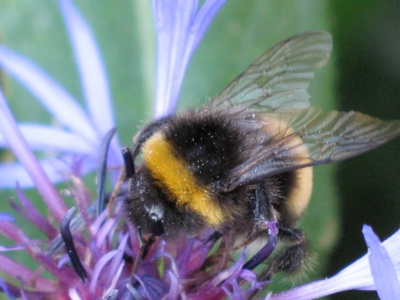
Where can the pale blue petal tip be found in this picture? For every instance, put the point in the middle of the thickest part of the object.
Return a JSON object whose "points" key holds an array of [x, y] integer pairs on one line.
{"points": [[180, 28], [91, 68], [382, 268]]}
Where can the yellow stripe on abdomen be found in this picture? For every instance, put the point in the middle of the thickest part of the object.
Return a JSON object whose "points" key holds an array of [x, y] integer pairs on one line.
{"points": [[181, 185]]}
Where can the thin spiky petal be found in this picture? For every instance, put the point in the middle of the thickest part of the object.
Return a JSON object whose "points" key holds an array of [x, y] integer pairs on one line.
{"points": [[10, 130]]}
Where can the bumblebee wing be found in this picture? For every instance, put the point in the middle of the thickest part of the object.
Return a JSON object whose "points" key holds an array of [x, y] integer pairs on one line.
{"points": [[278, 79], [306, 137]]}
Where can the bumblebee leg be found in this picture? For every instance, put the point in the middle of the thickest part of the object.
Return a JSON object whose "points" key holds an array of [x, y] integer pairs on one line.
{"points": [[145, 244], [262, 223], [265, 218], [292, 258]]}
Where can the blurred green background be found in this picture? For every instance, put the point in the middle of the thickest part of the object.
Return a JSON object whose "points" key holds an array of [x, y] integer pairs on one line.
{"points": [[363, 75]]}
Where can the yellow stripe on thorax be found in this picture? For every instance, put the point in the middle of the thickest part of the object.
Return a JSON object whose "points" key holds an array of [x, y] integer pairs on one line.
{"points": [[180, 183]]}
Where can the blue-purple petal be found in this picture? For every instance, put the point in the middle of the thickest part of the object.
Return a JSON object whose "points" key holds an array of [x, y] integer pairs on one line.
{"points": [[232, 272], [46, 138], [91, 68], [4, 288], [27, 210], [174, 286], [14, 138], [179, 31], [355, 276], [237, 293], [149, 288], [51, 95], [203, 20], [164, 15], [56, 170], [6, 217], [117, 259], [99, 267], [382, 269]]}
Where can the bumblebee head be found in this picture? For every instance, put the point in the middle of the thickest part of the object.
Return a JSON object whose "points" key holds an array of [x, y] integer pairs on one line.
{"points": [[145, 206]]}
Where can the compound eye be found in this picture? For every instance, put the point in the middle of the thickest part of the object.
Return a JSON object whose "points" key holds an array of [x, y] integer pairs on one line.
{"points": [[156, 226]]}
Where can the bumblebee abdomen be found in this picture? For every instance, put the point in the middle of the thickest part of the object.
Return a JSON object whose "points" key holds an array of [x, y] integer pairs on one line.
{"points": [[296, 185]]}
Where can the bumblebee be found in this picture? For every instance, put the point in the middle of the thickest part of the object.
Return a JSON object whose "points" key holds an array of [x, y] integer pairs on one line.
{"points": [[242, 164]]}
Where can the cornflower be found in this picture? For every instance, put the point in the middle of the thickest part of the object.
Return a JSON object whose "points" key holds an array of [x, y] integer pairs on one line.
{"points": [[101, 248]]}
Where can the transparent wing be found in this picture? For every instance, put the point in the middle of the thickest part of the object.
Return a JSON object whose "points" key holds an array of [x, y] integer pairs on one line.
{"points": [[278, 79], [307, 137]]}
